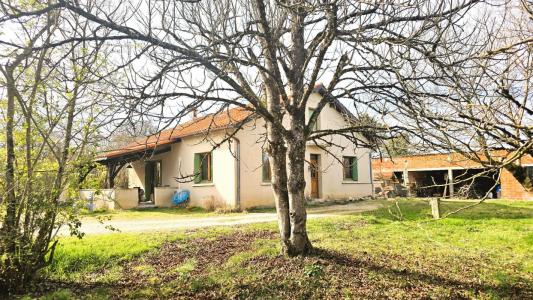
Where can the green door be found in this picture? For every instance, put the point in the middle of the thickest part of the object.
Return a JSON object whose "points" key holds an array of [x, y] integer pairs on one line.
{"points": [[148, 180]]}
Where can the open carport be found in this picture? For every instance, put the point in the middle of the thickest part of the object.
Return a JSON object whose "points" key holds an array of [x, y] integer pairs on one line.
{"points": [[464, 183], [449, 175]]}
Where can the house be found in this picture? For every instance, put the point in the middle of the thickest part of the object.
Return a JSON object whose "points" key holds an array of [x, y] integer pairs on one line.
{"points": [[450, 175], [236, 173]]}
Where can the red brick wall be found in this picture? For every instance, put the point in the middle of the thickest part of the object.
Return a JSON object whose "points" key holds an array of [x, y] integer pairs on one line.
{"points": [[512, 188]]}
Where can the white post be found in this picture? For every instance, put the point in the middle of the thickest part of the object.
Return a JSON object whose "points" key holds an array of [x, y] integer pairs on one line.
{"points": [[435, 208], [371, 174], [406, 182], [450, 182], [405, 174]]}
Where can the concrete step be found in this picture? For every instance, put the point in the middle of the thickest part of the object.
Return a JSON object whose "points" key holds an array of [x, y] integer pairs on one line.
{"points": [[146, 205]]}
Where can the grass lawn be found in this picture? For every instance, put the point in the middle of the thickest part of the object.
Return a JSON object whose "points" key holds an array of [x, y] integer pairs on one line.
{"points": [[485, 252]]}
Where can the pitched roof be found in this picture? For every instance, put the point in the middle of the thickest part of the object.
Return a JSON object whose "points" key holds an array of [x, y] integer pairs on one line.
{"points": [[221, 120]]}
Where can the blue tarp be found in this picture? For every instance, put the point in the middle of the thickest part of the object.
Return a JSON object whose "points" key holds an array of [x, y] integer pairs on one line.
{"points": [[180, 196]]}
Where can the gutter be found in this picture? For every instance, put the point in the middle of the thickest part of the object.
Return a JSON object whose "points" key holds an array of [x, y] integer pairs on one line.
{"points": [[237, 173], [371, 173]]}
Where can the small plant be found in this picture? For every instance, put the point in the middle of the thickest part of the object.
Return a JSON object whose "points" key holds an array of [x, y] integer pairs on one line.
{"points": [[62, 294], [472, 229], [144, 269], [214, 204], [313, 270], [183, 271]]}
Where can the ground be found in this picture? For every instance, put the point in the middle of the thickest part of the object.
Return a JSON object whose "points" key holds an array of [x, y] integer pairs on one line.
{"points": [[181, 218], [396, 251]]}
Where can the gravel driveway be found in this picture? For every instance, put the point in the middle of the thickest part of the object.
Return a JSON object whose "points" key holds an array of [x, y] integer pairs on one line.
{"points": [[92, 226]]}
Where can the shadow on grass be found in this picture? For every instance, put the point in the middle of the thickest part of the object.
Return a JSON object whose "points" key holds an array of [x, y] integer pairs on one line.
{"points": [[420, 209], [433, 281]]}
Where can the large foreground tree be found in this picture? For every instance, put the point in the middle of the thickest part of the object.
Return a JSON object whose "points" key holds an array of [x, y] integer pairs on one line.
{"points": [[51, 123], [268, 57]]}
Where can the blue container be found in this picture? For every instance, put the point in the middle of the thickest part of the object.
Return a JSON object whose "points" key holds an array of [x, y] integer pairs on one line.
{"points": [[180, 196]]}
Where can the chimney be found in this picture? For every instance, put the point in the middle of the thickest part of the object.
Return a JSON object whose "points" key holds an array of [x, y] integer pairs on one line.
{"points": [[194, 113]]}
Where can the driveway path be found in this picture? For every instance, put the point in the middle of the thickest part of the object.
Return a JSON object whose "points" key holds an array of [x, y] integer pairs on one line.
{"points": [[92, 226]]}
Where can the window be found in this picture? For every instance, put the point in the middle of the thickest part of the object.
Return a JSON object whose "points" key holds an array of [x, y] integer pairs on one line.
{"points": [[529, 172], [310, 112], [350, 168], [203, 167], [267, 176]]}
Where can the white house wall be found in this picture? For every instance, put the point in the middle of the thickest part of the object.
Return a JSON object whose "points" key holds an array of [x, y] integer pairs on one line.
{"points": [[254, 192], [331, 183], [179, 162]]}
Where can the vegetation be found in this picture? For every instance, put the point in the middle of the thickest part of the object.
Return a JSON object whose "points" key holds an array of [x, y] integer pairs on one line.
{"points": [[49, 128], [454, 75], [397, 252], [393, 59]]}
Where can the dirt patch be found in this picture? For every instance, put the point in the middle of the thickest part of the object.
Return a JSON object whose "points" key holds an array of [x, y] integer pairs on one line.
{"points": [[158, 267]]}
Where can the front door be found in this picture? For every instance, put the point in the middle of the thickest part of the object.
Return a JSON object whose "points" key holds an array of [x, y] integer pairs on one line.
{"points": [[152, 178], [314, 167]]}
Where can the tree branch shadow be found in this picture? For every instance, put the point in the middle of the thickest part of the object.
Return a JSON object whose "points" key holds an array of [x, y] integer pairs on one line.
{"points": [[508, 290]]}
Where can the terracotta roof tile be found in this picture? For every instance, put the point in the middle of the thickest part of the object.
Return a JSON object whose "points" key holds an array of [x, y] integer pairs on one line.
{"points": [[221, 120]]}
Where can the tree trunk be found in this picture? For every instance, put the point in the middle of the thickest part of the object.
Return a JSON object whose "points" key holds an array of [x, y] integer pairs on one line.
{"points": [[278, 166], [288, 184], [47, 228], [10, 221], [299, 241], [277, 152]]}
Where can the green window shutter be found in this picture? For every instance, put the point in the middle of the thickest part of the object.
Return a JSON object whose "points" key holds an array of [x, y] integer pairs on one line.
{"points": [[310, 112], [197, 171], [355, 173]]}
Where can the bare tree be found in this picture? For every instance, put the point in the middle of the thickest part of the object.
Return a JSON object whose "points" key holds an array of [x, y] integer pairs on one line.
{"points": [[269, 56], [51, 122], [483, 108]]}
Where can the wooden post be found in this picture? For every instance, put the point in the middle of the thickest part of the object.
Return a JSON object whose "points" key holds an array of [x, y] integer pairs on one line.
{"points": [[435, 208], [110, 179]]}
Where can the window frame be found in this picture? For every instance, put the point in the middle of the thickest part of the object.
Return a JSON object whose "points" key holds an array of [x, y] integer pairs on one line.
{"points": [[529, 172], [199, 167], [354, 168], [265, 169]]}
